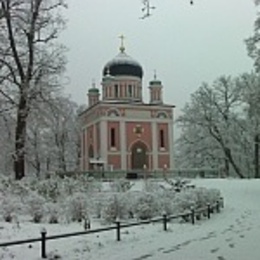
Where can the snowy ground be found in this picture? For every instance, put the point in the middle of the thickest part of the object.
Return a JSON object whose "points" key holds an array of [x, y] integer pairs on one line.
{"points": [[234, 234]]}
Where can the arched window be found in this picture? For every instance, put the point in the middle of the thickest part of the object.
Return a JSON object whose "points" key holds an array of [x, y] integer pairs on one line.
{"points": [[161, 115], [116, 91], [113, 137], [161, 138], [130, 90], [113, 112]]}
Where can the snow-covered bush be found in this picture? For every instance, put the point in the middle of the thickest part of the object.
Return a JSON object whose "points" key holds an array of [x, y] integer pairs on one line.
{"points": [[166, 205], [88, 184], [115, 207], [121, 185], [11, 206], [146, 206], [213, 195], [151, 186], [53, 212], [184, 201], [36, 207], [49, 188], [76, 207]]}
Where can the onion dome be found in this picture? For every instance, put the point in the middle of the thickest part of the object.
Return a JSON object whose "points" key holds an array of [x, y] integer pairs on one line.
{"points": [[155, 81], [123, 65], [93, 90]]}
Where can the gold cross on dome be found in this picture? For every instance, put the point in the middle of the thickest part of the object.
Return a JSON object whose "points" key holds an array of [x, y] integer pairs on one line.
{"points": [[122, 47]]}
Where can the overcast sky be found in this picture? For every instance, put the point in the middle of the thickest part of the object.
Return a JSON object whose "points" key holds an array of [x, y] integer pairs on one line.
{"points": [[186, 44]]}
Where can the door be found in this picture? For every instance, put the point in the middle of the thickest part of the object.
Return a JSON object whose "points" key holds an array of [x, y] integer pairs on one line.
{"points": [[139, 156]]}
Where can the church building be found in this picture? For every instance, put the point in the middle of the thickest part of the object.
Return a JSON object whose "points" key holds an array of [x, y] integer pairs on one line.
{"points": [[120, 131]]}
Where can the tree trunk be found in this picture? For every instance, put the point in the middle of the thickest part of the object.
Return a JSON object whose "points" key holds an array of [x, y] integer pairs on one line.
{"points": [[256, 155], [226, 165], [20, 135], [231, 160]]}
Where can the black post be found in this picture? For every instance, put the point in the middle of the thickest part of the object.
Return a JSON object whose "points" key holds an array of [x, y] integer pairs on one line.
{"points": [[118, 238], [43, 233], [209, 210], [192, 216], [217, 206], [164, 222]]}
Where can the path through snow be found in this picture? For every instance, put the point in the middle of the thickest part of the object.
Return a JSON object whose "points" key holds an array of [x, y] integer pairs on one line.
{"points": [[234, 234]]}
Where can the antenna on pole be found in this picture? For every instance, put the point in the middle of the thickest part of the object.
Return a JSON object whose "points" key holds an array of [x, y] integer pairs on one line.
{"points": [[147, 9]]}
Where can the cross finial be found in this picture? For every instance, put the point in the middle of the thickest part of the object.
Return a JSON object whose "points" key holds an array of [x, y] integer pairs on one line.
{"points": [[93, 83], [154, 75], [122, 47]]}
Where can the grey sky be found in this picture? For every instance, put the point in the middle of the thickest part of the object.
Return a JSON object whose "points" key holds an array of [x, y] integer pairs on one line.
{"points": [[185, 44]]}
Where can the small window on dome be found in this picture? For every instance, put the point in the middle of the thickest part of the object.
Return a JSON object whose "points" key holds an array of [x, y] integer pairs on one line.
{"points": [[116, 91], [130, 90]]}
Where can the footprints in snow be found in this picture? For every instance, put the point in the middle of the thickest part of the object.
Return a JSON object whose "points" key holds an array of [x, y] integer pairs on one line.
{"points": [[221, 258], [177, 247], [143, 257]]}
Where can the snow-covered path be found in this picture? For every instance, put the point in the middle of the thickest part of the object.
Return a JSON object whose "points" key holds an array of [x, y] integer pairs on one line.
{"points": [[234, 234]]}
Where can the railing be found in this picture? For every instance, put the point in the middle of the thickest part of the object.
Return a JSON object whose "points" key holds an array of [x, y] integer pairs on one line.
{"points": [[169, 173], [192, 215]]}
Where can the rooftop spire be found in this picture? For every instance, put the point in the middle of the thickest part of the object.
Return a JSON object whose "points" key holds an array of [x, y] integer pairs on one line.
{"points": [[122, 47], [154, 75], [93, 83]]}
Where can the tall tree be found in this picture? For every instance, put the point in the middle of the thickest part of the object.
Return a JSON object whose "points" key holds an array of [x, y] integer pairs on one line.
{"points": [[30, 60], [251, 97], [212, 112], [53, 137]]}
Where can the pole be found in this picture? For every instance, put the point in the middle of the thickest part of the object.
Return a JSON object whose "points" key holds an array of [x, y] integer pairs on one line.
{"points": [[164, 222], [118, 238], [43, 234]]}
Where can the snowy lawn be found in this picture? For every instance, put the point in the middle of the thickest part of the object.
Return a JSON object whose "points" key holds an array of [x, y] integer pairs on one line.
{"points": [[234, 234]]}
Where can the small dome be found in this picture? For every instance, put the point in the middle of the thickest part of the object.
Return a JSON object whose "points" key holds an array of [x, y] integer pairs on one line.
{"points": [[155, 82], [123, 65], [93, 90]]}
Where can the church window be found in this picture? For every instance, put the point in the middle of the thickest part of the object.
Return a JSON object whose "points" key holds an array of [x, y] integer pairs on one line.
{"points": [[116, 90], [130, 91], [112, 137], [161, 115], [113, 112], [162, 141]]}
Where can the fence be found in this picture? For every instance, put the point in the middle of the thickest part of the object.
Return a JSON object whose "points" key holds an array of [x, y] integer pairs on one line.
{"points": [[192, 215], [180, 173]]}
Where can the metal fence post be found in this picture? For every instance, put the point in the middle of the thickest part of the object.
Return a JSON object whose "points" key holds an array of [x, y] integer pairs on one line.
{"points": [[209, 210], [217, 206], [164, 222], [118, 238], [43, 235]]}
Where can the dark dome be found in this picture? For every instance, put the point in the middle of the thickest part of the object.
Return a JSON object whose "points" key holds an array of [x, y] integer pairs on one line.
{"points": [[123, 65]]}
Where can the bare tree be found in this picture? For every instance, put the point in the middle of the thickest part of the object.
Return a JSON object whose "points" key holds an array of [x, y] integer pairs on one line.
{"points": [[251, 96], [53, 137], [30, 60], [212, 111]]}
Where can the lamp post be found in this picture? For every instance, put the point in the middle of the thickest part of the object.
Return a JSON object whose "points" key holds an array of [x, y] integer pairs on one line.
{"points": [[165, 171], [145, 171]]}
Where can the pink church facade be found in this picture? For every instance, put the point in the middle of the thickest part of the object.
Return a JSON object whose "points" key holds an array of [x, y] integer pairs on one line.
{"points": [[119, 130]]}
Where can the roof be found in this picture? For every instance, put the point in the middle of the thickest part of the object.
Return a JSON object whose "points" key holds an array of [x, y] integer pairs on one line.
{"points": [[123, 64]]}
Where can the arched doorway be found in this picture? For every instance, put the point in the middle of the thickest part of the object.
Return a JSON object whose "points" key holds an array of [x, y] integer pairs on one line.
{"points": [[139, 156]]}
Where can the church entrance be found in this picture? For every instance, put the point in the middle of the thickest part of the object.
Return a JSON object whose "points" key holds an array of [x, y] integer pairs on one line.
{"points": [[139, 156]]}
